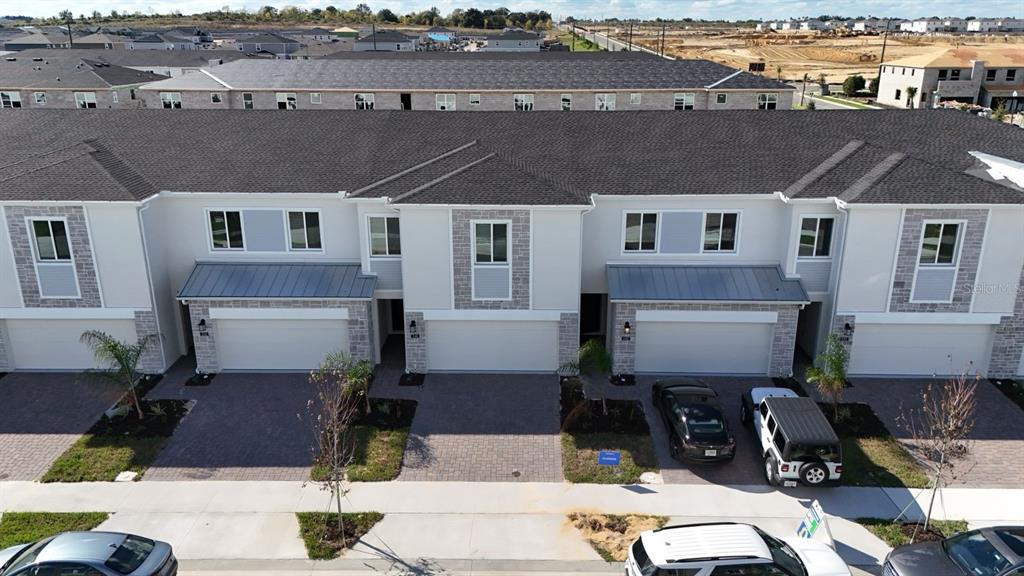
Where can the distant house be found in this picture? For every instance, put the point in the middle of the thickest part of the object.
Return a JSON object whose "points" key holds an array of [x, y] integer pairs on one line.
{"points": [[985, 76], [514, 41], [345, 32], [196, 35], [268, 42], [70, 82], [103, 41], [161, 41], [385, 41], [36, 39], [170, 63]]}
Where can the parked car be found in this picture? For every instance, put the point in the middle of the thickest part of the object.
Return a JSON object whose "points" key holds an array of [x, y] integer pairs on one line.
{"points": [[995, 551], [728, 549], [90, 554], [697, 428], [797, 443]]}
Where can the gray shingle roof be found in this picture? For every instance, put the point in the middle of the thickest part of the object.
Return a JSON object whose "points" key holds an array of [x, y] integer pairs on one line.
{"points": [[385, 36], [277, 280], [484, 74], [629, 282], [138, 58], [268, 38], [620, 153], [492, 55], [68, 72]]}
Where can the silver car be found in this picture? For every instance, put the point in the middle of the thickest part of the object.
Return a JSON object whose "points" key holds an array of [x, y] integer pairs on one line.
{"points": [[90, 554]]}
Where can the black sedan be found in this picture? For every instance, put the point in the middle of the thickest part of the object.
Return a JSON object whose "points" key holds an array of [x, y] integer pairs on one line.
{"points": [[995, 551], [697, 428]]}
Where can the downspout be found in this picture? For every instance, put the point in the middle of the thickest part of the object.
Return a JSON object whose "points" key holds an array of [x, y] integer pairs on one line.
{"points": [[841, 206], [149, 283]]}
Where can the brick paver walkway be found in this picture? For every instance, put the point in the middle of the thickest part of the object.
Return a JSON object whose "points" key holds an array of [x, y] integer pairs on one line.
{"points": [[45, 413], [481, 427]]}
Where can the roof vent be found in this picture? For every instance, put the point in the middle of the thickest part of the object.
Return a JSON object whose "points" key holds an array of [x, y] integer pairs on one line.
{"points": [[11, 59], [37, 59]]}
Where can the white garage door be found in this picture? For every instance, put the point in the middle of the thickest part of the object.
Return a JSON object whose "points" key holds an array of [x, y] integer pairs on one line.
{"points": [[488, 346], [920, 349], [278, 344], [54, 344], [703, 347]]}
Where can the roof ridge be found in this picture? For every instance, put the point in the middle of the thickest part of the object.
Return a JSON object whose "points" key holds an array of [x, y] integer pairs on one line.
{"points": [[120, 171], [564, 184], [37, 168], [443, 177], [869, 178], [412, 169], [823, 168]]}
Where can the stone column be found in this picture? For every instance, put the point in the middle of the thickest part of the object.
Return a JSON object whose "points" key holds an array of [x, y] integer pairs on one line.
{"points": [[623, 351], [568, 337], [5, 361], [784, 342], [415, 347], [1008, 342], [152, 361], [205, 339]]}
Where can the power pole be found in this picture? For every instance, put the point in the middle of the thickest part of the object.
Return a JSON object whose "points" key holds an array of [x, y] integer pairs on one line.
{"points": [[662, 39], [885, 39], [629, 38], [373, 34]]}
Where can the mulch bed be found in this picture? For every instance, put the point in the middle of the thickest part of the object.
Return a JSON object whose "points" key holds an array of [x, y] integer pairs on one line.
{"points": [[161, 418], [323, 540], [929, 535], [792, 384], [856, 420], [581, 415], [412, 379], [147, 383], [388, 414], [1012, 389]]}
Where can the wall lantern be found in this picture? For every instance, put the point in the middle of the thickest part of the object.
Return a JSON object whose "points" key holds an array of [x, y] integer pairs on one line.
{"points": [[847, 327], [626, 329], [202, 323], [412, 329]]}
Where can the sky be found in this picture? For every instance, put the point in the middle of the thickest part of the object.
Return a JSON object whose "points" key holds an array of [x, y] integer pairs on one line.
{"points": [[641, 9]]}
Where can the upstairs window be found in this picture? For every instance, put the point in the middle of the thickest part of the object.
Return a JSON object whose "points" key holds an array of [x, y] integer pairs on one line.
{"points": [[641, 231], [10, 99], [682, 101], [304, 230], [226, 230], [939, 244], [444, 102], [954, 74], [1011, 75], [990, 75], [491, 243], [943, 74], [247, 100], [767, 101], [566, 100], [604, 102], [170, 99], [474, 99], [85, 99], [721, 98], [51, 238], [636, 98], [216, 98], [523, 102], [385, 236], [40, 97], [364, 101], [315, 98], [720, 231], [287, 101], [815, 237]]}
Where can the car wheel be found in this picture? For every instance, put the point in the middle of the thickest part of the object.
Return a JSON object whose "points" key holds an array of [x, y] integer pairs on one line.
{"points": [[813, 473], [673, 449], [744, 415], [769, 471]]}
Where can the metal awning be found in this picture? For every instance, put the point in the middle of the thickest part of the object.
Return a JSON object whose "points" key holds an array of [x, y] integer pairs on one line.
{"points": [[277, 280], [694, 283]]}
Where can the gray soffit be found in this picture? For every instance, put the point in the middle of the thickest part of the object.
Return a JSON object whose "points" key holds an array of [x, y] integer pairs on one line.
{"points": [[628, 282], [277, 280]]}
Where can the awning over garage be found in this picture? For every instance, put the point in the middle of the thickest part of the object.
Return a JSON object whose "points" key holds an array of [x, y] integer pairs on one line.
{"points": [[277, 280], [694, 283]]}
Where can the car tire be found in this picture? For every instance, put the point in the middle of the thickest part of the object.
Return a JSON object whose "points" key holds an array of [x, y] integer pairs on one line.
{"points": [[769, 471], [673, 448], [745, 418], [813, 474]]}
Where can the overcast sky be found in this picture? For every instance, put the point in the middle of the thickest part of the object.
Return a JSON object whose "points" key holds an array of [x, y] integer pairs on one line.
{"points": [[644, 9]]}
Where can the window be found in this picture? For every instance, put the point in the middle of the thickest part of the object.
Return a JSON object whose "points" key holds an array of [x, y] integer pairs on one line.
{"points": [[763, 569], [903, 71], [767, 101], [226, 230], [491, 243], [954, 74], [721, 98], [40, 97], [51, 240], [720, 231], [287, 101], [385, 236], [113, 97], [636, 98], [474, 99], [641, 231], [1011, 75], [566, 100], [943, 74], [10, 99], [898, 94], [990, 75], [170, 99], [364, 101], [604, 102], [682, 101], [523, 102], [130, 554], [939, 243], [974, 554], [304, 230], [815, 237], [247, 100], [444, 101], [315, 98], [85, 99], [215, 98]]}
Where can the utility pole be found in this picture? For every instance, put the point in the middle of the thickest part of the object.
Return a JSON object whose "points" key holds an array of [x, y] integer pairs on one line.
{"points": [[663, 39], [373, 34], [885, 39], [629, 38]]}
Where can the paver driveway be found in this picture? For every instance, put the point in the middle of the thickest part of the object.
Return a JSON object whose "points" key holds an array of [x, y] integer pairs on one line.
{"points": [[242, 427], [44, 414], [483, 427]]}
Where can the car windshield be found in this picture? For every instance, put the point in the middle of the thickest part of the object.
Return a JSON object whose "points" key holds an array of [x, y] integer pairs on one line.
{"points": [[974, 554], [824, 452], [784, 556], [27, 556], [702, 419], [130, 554], [643, 561]]}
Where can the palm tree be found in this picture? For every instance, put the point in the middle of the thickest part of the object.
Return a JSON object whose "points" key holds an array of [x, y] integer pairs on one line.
{"points": [[807, 78], [120, 360], [911, 92], [829, 371]]}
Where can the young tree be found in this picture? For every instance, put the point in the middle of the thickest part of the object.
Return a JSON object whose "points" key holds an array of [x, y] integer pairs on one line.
{"points": [[120, 360], [999, 113], [873, 86], [591, 359], [829, 372], [334, 410], [853, 84], [911, 93]]}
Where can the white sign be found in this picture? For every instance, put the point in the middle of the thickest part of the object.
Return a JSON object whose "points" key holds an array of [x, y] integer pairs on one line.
{"points": [[813, 520]]}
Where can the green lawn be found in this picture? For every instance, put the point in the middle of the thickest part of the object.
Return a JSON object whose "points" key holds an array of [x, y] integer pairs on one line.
{"points": [[100, 458], [845, 102], [320, 534], [377, 458], [24, 527], [579, 457], [880, 462], [581, 45], [892, 533]]}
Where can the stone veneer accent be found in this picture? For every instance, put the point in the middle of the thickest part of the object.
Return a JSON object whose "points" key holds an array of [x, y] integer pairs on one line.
{"points": [[519, 254], [152, 361], [783, 336], [568, 337], [5, 363], [1008, 343], [81, 252], [416, 348], [906, 259], [360, 330]]}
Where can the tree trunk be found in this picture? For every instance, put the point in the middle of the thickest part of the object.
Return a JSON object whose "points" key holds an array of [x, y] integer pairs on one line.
{"points": [[935, 488], [340, 518], [135, 400]]}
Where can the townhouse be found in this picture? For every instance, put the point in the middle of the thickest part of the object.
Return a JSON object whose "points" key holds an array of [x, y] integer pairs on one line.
{"points": [[468, 82], [977, 75], [269, 43], [385, 41], [69, 82], [163, 62]]}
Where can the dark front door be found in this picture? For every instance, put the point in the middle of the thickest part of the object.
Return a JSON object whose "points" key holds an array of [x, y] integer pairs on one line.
{"points": [[397, 316], [406, 101], [186, 322]]}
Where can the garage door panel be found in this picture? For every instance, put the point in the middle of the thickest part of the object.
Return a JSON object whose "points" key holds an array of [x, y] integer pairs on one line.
{"points": [[703, 347], [920, 350], [278, 344], [55, 345], [504, 346]]}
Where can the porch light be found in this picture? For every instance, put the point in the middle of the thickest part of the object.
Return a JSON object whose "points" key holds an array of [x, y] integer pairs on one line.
{"points": [[847, 327], [412, 325], [202, 323], [626, 329]]}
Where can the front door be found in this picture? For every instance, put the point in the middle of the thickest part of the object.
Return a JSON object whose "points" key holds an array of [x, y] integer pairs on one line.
{"points": [[406, 101]]}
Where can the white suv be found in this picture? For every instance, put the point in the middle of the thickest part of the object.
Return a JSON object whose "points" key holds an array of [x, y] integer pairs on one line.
{"points": [[727, 549]]}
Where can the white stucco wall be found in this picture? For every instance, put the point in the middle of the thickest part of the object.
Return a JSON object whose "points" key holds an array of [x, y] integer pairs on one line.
{"points": [[1000, 267], [10, 293], [117, 248], [556, 259], [870, 250], [426, 261]]}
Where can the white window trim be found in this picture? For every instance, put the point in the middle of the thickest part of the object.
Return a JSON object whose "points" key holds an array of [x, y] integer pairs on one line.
{"points": [[113, 96], [251, 100], [13, 96], [73, 263], [319, 98], [85, 96], [283, 97], [692, 100], [369, 238], [636, 99], [437, 101], [955, 265], [288, 230], [35, 98], [241, 220], [507, 265], [368, 98], [614, 100], [725, 98], [704, 227], [172, 97], [527, 98], [218, 95], [757, 100], [799, 232], [476, 97], [657, 232], [561, 98]]}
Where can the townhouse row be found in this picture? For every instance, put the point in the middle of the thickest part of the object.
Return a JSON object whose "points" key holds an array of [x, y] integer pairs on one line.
{"points": [[704, 244]]}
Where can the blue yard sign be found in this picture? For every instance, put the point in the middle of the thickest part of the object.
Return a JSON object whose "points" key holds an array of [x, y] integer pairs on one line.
{"points": [[811, 521], [609, 457]]}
